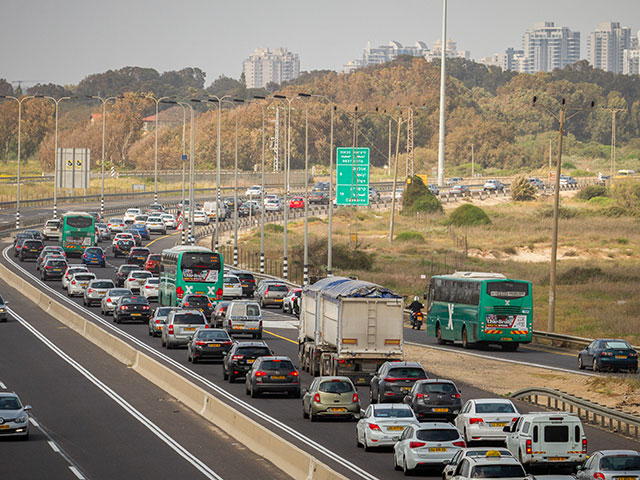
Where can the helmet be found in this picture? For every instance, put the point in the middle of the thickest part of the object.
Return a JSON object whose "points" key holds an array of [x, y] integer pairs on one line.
{"points": [[416, 299]]}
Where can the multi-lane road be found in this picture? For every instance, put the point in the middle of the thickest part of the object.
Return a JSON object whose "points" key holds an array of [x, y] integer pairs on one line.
{"points": [[92, 428]]}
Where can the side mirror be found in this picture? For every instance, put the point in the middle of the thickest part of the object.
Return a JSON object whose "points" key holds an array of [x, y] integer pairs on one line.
{"points": [[447, 462], [580, 467], [224, 354], [27, 407], [407, 399], [6, 303]]}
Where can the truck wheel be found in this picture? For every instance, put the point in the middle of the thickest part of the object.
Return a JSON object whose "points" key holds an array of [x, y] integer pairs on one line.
{"points": [[465, 342]]}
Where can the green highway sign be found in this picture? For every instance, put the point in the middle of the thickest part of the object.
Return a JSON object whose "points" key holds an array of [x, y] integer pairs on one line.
{"points": [[352, 176]]}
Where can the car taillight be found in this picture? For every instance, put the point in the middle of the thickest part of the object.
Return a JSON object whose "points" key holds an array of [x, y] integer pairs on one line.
{"points": [[422, 395], [201, 343], [237, 357], [460, 443], [316, 398], [145, 307], [606, 354], [170, 329], [206, 325], [85, 255], [475, 420], [130, 279], [179, 292], [373, 426], [355, 398], [455, 395], [294, 373], [48, 267], [416, 444], [186, 304], [514, 419], [584, 445], [218, 294], [158, 321], [391, 379], [598, 476], [124, 307], [633, 355], [73, 282], [260, 373], [148, 286], [528, 447], [109, 300], [209, 305]]}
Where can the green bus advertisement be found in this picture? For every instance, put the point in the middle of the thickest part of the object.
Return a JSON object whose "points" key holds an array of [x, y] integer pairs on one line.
{"points": [[480, 308], [188, 269], [78, 232]]}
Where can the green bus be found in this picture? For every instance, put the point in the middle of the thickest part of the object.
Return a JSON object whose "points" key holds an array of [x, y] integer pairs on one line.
{"points": [[480, 308], [78, 232], [188, 269]]}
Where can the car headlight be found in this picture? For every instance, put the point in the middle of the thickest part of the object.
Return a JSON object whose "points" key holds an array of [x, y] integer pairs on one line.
{"points": [[22, 418]]}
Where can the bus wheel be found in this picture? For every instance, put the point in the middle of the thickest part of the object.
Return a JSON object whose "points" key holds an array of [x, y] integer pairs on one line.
{"points": [[465, 342], [510, 347], [439, 335]]}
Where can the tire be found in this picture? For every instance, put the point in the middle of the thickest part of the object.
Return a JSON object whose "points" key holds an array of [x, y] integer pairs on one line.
{"points": [[358, 444], [371, 399], [405, 470], [314, 418], [594, 365], [439, 335], [231, 378], [194, 360], [225, 375], [395, 464], [254, 393], [580, 364], [365, 446], [510, 347], [465, 341], [304, 413]]}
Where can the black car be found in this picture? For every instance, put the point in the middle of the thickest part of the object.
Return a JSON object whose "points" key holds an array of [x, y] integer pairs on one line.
{"points": [[239, 360], [274, 375], [219, 313], [321, 187], [137, 237], [17, 241], [319, 197], [53, 268], [123, 247], [434, 399], [138, 256], [248, 282], [37, 234], [133, 309], [609, 354], [198, 302], [30, 248], [208, 343], [123, 273], [394, 380]]}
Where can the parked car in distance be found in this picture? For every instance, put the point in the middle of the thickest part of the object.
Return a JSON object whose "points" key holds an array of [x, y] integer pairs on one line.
{"points": [[158, 318], [111, 298], [394, 380], [484, 419], [94, 256], [180, 326], [53, 268], [434, 399], [381, 425], [608, 354], [238, 361], [15, 417], [208, 344], [334, 397], [492, 185], [273, 374], [610, 465], [52, 229], [134, 308], [96, 290]]}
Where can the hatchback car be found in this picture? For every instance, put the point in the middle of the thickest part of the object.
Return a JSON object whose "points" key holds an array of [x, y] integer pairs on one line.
{"points": [[37, 234], [134, 308], [611, 465], [155, 224], [434, 399], [138, 256], [287, 301], [141, 229], [485, 418], [131, 213], [96, 290], [239, 360], [394, 380], [331, 397], [219, 313], [609, 354], [296, 202], [152, 264], [198, 302], [52, 229], [459, 190], [273, 205], [271, 374], [493, 186], [50, 250], [180, 326], [111, 298], [116, 225], [381, 425], [69, 271], [122, 247], [319, 198], [169, 220], [200, 218], [15, 419], [231, 286], [150, 288], [156, 322], [244, 317], [248, 282], [136, 280], [94, 256], [271, 294], [136, 235], [103, 232], [30, 248], [253, 191], [208, 343], [122, 273], [495, 465], [78, 282], [53, 268]]}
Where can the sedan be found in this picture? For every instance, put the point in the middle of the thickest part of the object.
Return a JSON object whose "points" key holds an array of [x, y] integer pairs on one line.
{"points": [[111, 298], [96, 291], [94, 256], [611, 465], [435, 399], [609, 354], [122, 247], [208, 343], [30, 248], [426, 445], [241, 357], [459, 189], [382, 425], [334, 397], [156, 225], [296, 202], [231, 287], [15, 419], [484, 419], [200, 218], [79, 281], [493, 186], [138, 256], [132, 308], [273, 375], [136, 280], [157, 321]]}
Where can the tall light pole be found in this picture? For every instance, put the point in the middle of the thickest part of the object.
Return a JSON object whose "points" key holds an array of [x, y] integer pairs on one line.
{"points": [[305, 263], [613, 139], [56, 102], [155, 163], [104, 129], [192, 163], [262, 212], [443, 75], [19, 100]]}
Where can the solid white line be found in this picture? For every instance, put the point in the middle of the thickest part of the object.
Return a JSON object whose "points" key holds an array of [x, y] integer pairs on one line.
{"points": [[53, 446], [3, 386], [76, 472], [126, 406], [216, 388], [34, 422]]}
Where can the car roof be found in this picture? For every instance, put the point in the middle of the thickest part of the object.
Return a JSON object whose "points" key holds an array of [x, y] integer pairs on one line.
{"points": [[330, 378], [405, 364], [402, 406], [491, 400], [276, 357], [619, 452], [431, 425], [252, 344], [492, 460]]}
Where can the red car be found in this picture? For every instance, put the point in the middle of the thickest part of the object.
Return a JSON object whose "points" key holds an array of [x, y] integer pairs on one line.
{"points": [[296, 202], [153, 263]]}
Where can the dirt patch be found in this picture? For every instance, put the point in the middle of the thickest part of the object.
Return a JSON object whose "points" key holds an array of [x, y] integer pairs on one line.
{"points": [[503, 378], [543, 254]]}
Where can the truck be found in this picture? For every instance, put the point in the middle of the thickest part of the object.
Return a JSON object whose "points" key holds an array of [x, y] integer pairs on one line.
{"points": [[348, 328]]}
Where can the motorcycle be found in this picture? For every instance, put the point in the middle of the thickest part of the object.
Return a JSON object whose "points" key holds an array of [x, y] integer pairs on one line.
{"points": [[416, 320]]}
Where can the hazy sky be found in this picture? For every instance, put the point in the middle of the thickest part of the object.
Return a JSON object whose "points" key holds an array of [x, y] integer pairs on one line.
{"points": [[62, 41]]}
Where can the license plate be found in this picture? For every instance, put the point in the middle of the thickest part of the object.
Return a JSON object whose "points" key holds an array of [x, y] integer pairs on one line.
{"points": [[278, 377], [229, 286], [626, 478], [57, 269], [498, 424], [557, 459], [214, 344], [189, 329], [278, 299], [250, 360], [136, 314], [335, 409], [4, 427], [440, 410], [505, 339], [245, 285], [94, 260], [406, 389], [84, 284], [621, 356], [237, 327], [437, 449], [395, 429]]}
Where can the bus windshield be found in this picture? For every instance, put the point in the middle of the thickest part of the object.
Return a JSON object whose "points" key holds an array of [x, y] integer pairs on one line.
{"points": [[79, 222], [507, 290], [200, 267]]}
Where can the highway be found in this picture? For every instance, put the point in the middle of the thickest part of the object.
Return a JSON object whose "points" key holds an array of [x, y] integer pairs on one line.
{"points": [[331, 442]]}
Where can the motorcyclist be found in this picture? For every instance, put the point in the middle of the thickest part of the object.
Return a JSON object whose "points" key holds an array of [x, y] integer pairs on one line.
{"points": [[416, 307]]}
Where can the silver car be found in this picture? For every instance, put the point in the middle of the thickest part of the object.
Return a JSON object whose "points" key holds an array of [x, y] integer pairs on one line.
{"points": [[611, 465], [382, 424], [79, 281], [110, 299], [180, 327], [96, 290], [136, 280], [103, 232], [52, 229], [159, 317], [71, 269], [156, 224], [243, 317], [14, 416]]}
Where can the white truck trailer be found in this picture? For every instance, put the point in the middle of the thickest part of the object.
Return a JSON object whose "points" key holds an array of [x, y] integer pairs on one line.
{"points": [[348, 327]]}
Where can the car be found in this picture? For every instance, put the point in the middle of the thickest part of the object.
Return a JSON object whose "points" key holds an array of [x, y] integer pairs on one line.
{"points": [[142, 231], [154, 208], [272, 205], [96, 290], [296, 202], [110, 299], [135, 233], [194, 301], [15, 419], [140, 219], [69, 271], [19, 237], [103, 232], [78, 282], [250, 207], [136, 279], [49, 250], [394, 380], [248, 282], [155, 224], [132, 308], [433, 399], [186, 204], [239, 359], [213, 208], [169, 220], [319, 197], [493, 185], [200, 218], [3, 310], [454, 181], [253, 191], [52, 229], [231, 286], [122, 236], [426, 445], [180, 326], [152, 264], [243, 317], [321, 187], [381, 425], [334, 397], [565, 180], [271, 293], [219, 313], [37, 234], [30, 248], [494, 465], [94, 256], [484, 419], [459, 189], [18, 241], [374, 195], [122, 273], [273, 374], [138, 256], [96, 216], [131, 214], [287, 301], [536, 182], [208, 343], [122, 247], [433, 189], [452, 465], [608, 354], [610, 465], [53, 268], [49, 255], [150, 288], [156, 322], [116, 225]]}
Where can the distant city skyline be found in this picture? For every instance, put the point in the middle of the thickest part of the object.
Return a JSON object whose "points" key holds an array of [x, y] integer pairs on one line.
{"points": [[63, 42]]}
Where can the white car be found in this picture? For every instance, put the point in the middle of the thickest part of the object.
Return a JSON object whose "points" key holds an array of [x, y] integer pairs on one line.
{"points": [[79, 282], [136, 280], [450, 468], [200, 218], [253, 191], [382, 424], [287, 301], [68, 273], [142, 218], [492, 465], [156, 224], [426, 445], [272, 205], [116, 225], [122, 236], [110, 300], [150, 288], [485, 418], [131, 214], [231, 286], [169, 220]]}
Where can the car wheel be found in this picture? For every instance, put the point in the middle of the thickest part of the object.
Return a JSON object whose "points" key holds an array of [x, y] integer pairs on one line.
{"points": [[225, 375], [439, 335], [254, 393], [365, 445], [395, 462], [194, 360], [372, 399], [304, 412], [594, 365], [580, 364], [314, 418], [465, 341], [231, 378], [405, 470]]}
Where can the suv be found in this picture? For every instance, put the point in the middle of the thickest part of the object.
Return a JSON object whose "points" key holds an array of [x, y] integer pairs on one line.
{"points": [[394, 380], [53, 268], [96, 290], [543, 438], [271, 294], [243, 317], [493, 186], [194, 301], [138, 256], [273, 374], [30, 248], [248, 282], [136, 279], [122, 247], [434, 399], [239, 360], [52, 229], [180, 327]]}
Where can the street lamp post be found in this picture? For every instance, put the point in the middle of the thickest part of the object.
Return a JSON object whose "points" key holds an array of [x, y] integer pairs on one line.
{"points": [[56, 102], [155, 168], [305, 263], [262, 212], [104, 128]]}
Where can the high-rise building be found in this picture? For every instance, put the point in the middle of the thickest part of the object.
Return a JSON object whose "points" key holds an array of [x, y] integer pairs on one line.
{"points": [[631, 57], [511, 59], [547, 47], [265, 66], [607, 45]]}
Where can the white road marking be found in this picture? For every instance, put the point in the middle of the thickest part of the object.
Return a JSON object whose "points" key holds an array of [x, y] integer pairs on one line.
{"points": [[53, 446], [3, 386], [290, 325], [34, 422], [76, 472]]}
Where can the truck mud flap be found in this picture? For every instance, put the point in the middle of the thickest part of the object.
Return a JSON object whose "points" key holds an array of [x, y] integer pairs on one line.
{"points": [[358, 378]]}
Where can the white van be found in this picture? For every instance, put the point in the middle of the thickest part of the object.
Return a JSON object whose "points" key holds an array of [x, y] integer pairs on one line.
{"points": [[543, 438], [210, 209], [243, 317]]}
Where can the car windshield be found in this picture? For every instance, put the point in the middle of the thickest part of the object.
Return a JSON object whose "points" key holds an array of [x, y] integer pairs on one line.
{"points": [[497, 471], [277, 365], [617, 345], [141, 274], [93, 251], [189, 319], [245, 309], [213, 335], [438, 435], [10, 403], [197, 300], [56, 263], [445, 387], [231, 280], [164, 311], [128, 268], [79, 222], [84, 277], [253, 351], [136, 300], [407, 372], [119, 292], [620, 462], [278, 288], [102, 284], [494, 408], [153, 281], [336, 386], [393, 413]]}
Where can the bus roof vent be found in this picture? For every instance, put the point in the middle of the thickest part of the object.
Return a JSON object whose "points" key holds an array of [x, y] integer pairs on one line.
{"points": [[478, 275]]}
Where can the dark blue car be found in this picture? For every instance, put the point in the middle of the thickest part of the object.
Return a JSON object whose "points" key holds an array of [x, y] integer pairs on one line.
{"points": [[142, 229], [609, 354], [94, 256]]}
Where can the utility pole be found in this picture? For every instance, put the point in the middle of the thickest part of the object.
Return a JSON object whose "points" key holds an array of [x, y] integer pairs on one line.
{"points": [[473, 164], [410, 154], [443, 73], [613, 139], [562, 119], [389, 155], [550, 153], [395, 182]]}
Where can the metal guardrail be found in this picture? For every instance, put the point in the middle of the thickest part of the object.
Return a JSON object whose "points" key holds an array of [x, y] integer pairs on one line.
{"points": [[569, 342], [592, 413]]}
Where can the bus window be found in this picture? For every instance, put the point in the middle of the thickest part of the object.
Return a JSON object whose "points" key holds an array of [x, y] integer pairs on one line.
{"points": [[507, 290], [79, 222], [200, 267]]}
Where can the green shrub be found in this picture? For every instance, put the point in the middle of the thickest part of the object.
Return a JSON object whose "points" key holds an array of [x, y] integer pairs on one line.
{"points": [[418, 198], [522, 189], [613, 211], [568, 165], [576, 275], [627, 195], [467, 215], [273, 228], [601, 201], [428, 203], [346, 258], [587, 193], [546, 211], [622, 241], [409, 237]]}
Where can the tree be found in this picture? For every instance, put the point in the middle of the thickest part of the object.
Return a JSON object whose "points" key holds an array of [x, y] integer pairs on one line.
{"points": [[50, 90], [418, 198], [5, 87], [522, 189]]}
